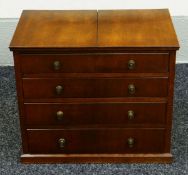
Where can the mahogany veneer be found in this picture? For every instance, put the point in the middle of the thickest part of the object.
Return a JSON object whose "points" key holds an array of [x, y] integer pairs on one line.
{"points": [[94, 63], [88, 141], [100, 114], [95, 86]]}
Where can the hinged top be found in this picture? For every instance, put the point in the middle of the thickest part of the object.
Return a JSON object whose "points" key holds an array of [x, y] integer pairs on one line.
{"points": [[125, 29]]}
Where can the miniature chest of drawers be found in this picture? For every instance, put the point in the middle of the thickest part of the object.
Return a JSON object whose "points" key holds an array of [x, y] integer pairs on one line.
{"points": [[95, 86]]}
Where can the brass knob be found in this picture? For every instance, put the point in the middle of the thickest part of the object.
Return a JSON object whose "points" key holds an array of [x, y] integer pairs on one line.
{"points": [[130, 114], [59, 115], [59, 89], [57, 65], [131, 89], [131, 64], [130, 142], [61, 142]]}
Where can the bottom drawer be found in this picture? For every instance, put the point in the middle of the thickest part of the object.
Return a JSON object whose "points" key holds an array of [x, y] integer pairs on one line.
{"points": [[96, 141]]}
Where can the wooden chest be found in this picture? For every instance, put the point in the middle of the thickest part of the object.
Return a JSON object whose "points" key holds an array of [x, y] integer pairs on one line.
{"points": [[95, 86]]}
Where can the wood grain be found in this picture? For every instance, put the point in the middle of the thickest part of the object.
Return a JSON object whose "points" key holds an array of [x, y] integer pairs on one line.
{"points": [[136, 28], [94, 48], [95, 114], [151, 29], [94, 63], [20, 100], [96, 141], [94, 87], [45, 28]]}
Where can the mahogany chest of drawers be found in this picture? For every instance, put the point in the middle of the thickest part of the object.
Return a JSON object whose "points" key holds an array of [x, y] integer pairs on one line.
{"points": [[95, 86]]}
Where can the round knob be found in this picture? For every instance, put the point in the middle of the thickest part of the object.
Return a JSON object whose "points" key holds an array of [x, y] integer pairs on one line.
{"points": [[131, 64], [59, 115], [59, 89], [57, 65], [130, 142], [130, 114], [131, 89], [61, 142]]}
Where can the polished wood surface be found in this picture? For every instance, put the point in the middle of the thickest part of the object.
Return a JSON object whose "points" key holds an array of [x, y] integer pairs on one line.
{"points": [[95, 114], [97, 158], [94, 87], [94, 63], [44, 28], [96, 141], [94, 50], [136, 28], [146, 29]]}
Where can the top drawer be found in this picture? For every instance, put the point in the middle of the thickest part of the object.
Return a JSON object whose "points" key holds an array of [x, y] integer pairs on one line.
{"points": [[94, 63]]}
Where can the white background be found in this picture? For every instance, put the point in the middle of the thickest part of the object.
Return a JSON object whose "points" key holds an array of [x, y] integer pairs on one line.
{"points": [[13, 8]]}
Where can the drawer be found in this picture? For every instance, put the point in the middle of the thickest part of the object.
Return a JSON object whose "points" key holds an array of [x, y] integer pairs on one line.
{"points": [[90, 114], [96, 141], [94, 87], [94, 63]]}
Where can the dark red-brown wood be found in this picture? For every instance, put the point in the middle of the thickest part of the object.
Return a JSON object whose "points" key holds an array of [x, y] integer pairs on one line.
{"points": [[96, 141], [94, 48], [97, 158], [20, 103], [95, 114], [94, 63], [94, 87]]}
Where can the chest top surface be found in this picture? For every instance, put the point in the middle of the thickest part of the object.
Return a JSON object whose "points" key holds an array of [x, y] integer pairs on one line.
{"points": [[95, 29]]}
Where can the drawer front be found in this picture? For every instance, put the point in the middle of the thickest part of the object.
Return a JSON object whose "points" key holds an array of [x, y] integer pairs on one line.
{"points": [[97, 63], [94, 87], [75, 114], [96, 141]]}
